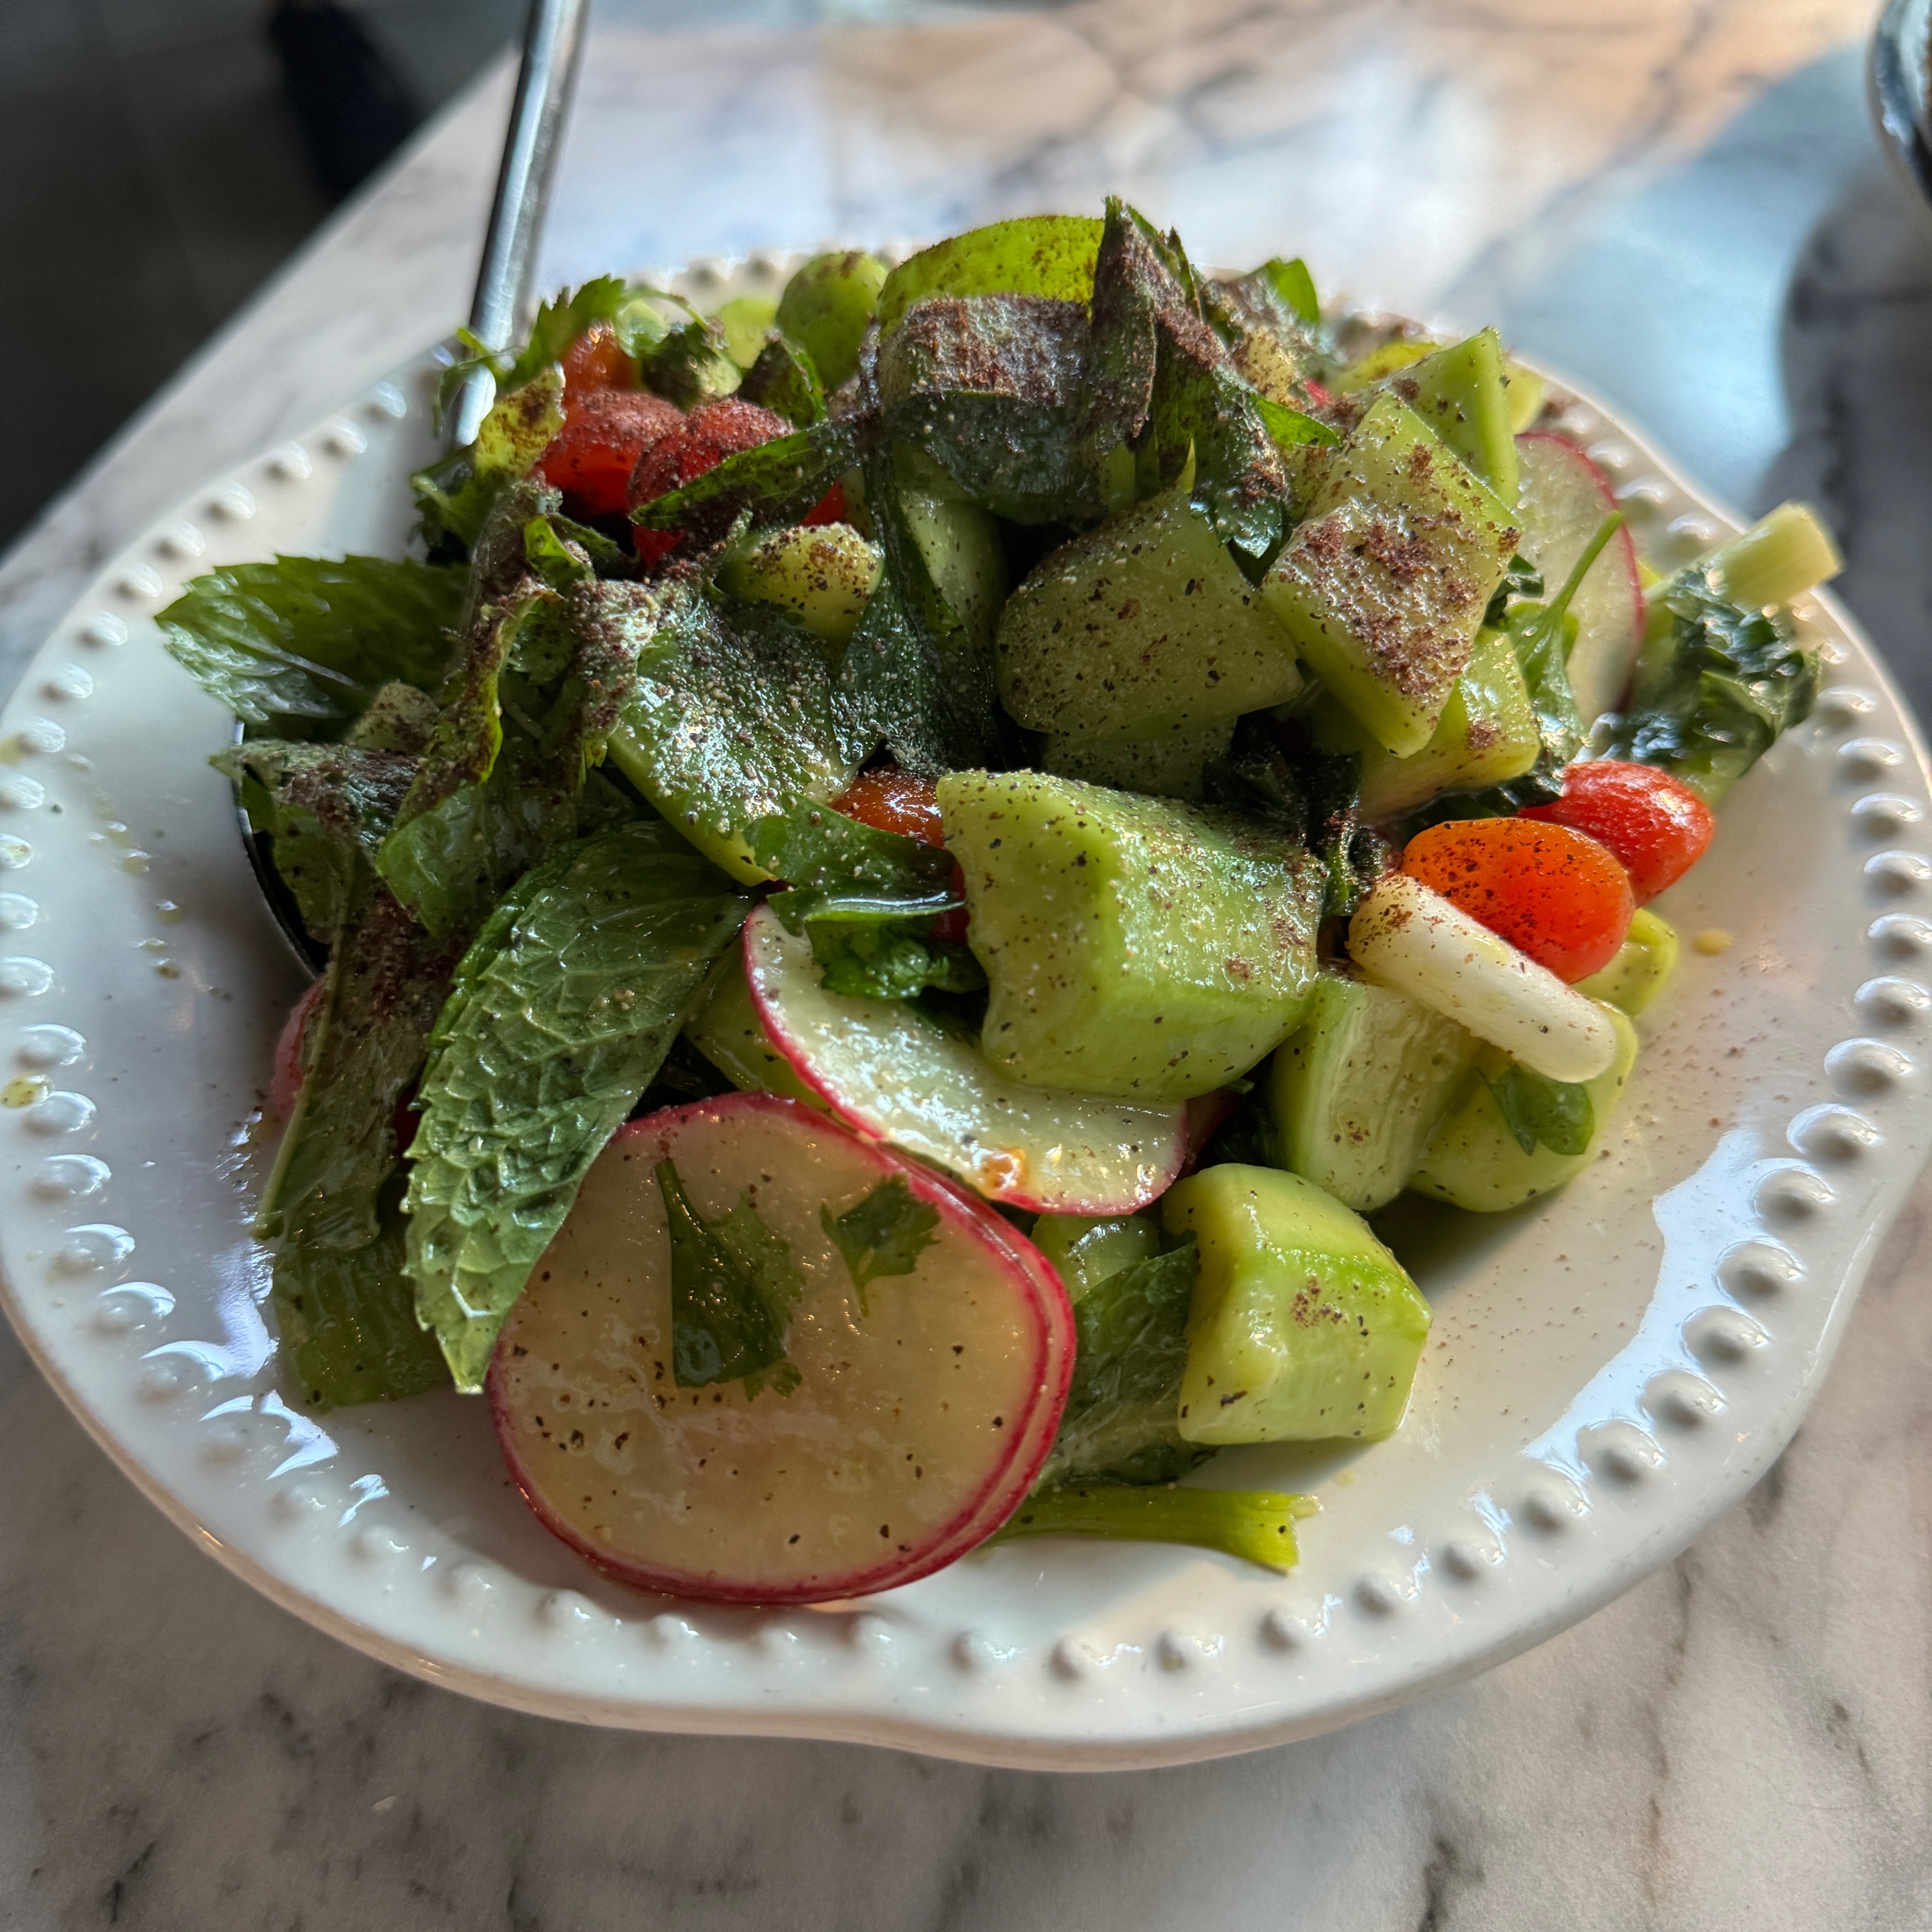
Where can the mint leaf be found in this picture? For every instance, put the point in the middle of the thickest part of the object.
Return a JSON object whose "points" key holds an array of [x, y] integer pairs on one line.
{"points": [[1555, 1113], [302, 645], [816, 849], [733, 1288], [1295, 285], [773, 486], [884, 1235], [785, 380], [560, 1015], [1122, 1419]]}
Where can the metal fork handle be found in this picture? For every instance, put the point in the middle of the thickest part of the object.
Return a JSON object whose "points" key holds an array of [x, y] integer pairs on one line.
{"points": [[553, 51]]}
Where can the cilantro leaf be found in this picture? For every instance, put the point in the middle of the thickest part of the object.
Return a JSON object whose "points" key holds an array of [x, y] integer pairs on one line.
{"points": [[837, 867], [733, 1285], [560, 1015], [890, 959], [302, 645], [884, 1235], [1556, 1113]]}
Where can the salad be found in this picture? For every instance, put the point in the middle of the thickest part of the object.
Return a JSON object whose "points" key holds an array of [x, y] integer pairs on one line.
{"points": [[901, 869]]}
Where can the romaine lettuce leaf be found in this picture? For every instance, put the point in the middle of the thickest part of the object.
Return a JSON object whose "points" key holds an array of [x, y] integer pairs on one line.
{"points": [[561, 1014], [302, 645]]}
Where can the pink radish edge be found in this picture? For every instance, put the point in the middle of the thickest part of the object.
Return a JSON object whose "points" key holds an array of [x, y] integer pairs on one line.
{"points": [[1007, 1484], [1623, 541], [1171, 1167]]}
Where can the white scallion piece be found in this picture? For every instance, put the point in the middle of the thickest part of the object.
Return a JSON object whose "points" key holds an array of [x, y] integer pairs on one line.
{"points": [[1405, 936]]}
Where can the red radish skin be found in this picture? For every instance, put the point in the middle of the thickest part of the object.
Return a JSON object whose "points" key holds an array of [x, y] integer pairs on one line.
{"points": [[1123, 1156], [774, 1136], [1658, 827], [285, 1082], [1565, 497]]}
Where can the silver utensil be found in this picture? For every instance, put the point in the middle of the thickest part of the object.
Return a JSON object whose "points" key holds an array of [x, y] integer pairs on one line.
{"points": [[1901, 46], [552, 50]]}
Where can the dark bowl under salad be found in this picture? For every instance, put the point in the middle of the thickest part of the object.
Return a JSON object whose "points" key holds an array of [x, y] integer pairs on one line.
{"points": [[903, 867]]}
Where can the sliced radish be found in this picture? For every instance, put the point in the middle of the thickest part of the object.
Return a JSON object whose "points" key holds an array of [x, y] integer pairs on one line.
{"points": [[891, 1071], [919, 1406], [1564, 500], [291, 1063]]}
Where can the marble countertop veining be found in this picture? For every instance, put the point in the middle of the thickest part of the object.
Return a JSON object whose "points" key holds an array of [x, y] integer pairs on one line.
{"points": [[1681, 204]]}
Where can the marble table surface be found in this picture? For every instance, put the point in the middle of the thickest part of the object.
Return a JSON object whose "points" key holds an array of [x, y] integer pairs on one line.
{"points": [[1680, 203]]}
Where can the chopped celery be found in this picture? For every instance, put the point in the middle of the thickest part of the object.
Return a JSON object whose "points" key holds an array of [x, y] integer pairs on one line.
{"points": [[1258, 1525]]}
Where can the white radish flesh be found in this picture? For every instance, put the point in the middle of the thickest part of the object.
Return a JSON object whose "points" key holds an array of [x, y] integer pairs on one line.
{"points": [[890, 1070], [1404, 935], [1564, 500], [923, 1408]]}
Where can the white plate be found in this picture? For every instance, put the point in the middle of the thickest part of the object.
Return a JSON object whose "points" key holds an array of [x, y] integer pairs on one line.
{"points": [[1607, 1373]]}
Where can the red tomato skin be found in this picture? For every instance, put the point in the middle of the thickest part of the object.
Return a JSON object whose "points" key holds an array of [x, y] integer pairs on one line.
{"points": [[596, 360], [606, 434], [286, 1081], [710, 433], [891, 800], [1656, 825], [1553, 893], [830, 508]]}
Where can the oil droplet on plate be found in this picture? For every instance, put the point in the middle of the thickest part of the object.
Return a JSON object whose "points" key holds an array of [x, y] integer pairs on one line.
{"points": [[1711, 941]]}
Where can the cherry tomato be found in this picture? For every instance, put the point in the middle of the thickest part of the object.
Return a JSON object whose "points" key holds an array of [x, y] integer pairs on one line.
{"points": [[1656, 825], [1553, 893], [830, 508], [891, 800], [596, 360], [605, 434], [711, 432], [286, 1081]]}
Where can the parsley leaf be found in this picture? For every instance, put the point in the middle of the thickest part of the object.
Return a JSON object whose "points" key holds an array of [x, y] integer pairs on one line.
{"points": [[733, 1288], [884, 1235]]}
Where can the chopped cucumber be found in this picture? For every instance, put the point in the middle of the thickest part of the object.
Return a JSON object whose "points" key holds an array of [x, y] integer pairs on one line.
{"points": [[1141, 625], [1783, 554], [725, 1028], [1475, 1160], [1134, 946], [1461, 393], [1256, 1524], [1384, 585], [1487, 735], [960, 542], [1358, 1091], [1086, 1249], [1171, 766], [824, 575], [1647, 958], [826, 305], [1304, 1327]]}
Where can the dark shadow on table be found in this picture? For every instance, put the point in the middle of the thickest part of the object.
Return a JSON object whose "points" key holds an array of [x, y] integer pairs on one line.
{"points": [[1855, 348]]}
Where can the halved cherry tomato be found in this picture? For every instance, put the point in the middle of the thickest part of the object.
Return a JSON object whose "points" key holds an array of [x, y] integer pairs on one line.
{"points": [[596, 360], [606, 434], [1656, 825], [711, 432], [830, 508], [891, 800], [1552, 893]]}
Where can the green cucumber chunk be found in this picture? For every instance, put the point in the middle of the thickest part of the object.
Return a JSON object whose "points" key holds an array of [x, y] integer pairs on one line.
{"points": [[1173, 765], [1086, 1249], [826, 306], [1035, 255], [1304, 1327], [1487, 735], [1133, 946], [725, 1028], [824, 575], [1144, 625], [1647, 958], [1383, 586], [1357, 1092], [1463, 393], [960, 542], [1475, 1161]]}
